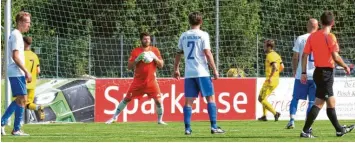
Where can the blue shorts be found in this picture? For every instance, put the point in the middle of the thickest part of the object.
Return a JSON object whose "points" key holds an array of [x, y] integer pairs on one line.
{"points": [[18, 86], [300, 91], [199, 84]]}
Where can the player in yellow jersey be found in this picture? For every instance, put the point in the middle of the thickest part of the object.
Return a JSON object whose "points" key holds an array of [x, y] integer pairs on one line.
{"points": [[273, 67], [32, 65]]}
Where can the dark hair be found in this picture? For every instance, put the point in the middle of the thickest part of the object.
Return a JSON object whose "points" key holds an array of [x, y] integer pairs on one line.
{"points": [[270, 43], [195, 18], [327, 18], [27, 40], [143, 34]]}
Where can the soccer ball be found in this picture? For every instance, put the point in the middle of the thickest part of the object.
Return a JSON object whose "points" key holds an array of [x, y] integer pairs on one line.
{"points": [[147, 57]]}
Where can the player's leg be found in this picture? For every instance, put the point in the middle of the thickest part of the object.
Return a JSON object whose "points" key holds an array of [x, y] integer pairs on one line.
{"points": [[119, 108], [263, 118], [206, 87], [293, 106], [153, 91], [32, 106], [191, 90], [160, 110], [311, 94], [340, 130], [18, 89], [266, 91], [21, 100], [261, 97], [299, 92], [135, 91], [318, 104]]}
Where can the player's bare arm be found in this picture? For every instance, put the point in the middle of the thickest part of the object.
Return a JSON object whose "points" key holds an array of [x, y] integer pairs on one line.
{"points": [[38, 69], [337, 59], [211, 63], [273, 70], [158, 62], [282, 67], [131, 65], [16, 57], [176, 73], [304, 68], [294, 62]]}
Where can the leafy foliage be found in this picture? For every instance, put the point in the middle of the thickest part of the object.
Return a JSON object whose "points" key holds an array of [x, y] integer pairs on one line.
{"points": [[90, 35]]}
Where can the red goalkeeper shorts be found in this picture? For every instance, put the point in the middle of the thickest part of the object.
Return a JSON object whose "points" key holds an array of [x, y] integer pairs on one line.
{"points": [[138, 89]]}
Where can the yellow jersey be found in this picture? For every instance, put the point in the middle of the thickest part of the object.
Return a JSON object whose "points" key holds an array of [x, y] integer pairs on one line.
{"points": [[31, 64], [272, 57]]}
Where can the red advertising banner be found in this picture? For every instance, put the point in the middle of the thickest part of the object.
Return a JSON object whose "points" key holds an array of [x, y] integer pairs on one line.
{"points": [[235, 99]]}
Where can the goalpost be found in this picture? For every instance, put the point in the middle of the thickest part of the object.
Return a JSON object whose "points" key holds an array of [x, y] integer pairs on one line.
{"points": [[7, 29]]}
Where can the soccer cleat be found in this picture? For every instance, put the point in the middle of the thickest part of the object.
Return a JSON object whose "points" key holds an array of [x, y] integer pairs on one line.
{"points": [[41, 113], [112, 120], [3, 130], [217, 130], [346, 129], [306, 135], [290, 125], [162, 123], [188, 132], [277, 116], [263, 118], [19, 133]]}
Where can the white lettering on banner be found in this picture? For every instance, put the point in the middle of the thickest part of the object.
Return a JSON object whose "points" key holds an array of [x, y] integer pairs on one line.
{"points": [[223, 102], [197, 106], [243, 101], [343, 89], [228, 101], [111, 99], [132, 111], [175, 101], [147, 103]]}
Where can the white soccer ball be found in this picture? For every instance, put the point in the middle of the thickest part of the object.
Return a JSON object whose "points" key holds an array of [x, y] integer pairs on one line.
{"points": [[147, 57]]}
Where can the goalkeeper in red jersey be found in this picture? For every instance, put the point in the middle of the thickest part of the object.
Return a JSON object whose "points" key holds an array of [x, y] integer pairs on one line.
{"points": [[144, 60]]}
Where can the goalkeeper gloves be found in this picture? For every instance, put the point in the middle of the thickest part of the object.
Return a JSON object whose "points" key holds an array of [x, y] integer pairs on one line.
{"points": [[139, 58], [153, 55]]}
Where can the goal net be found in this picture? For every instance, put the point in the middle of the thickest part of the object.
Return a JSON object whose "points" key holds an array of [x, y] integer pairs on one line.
{"points": [[94, 38], [283, 21]]}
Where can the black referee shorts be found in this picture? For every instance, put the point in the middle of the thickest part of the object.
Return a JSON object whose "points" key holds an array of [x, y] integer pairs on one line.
{"points": [[324, 78]]}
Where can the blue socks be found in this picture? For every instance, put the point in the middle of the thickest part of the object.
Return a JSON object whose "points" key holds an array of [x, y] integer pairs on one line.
{"points": [[293, 108], [212, 112], [187, 117], [13, 106], [18, 117]]}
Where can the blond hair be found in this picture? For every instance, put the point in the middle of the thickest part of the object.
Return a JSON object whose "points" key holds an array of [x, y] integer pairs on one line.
{"points": [[21, 16]]}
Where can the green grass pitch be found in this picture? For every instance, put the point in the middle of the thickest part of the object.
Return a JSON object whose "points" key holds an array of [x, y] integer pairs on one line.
{"points": [[236, 131]]}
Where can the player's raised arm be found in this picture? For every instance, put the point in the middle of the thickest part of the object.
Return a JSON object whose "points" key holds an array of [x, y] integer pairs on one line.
{"points": [[133, 60], [157, 58]]}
